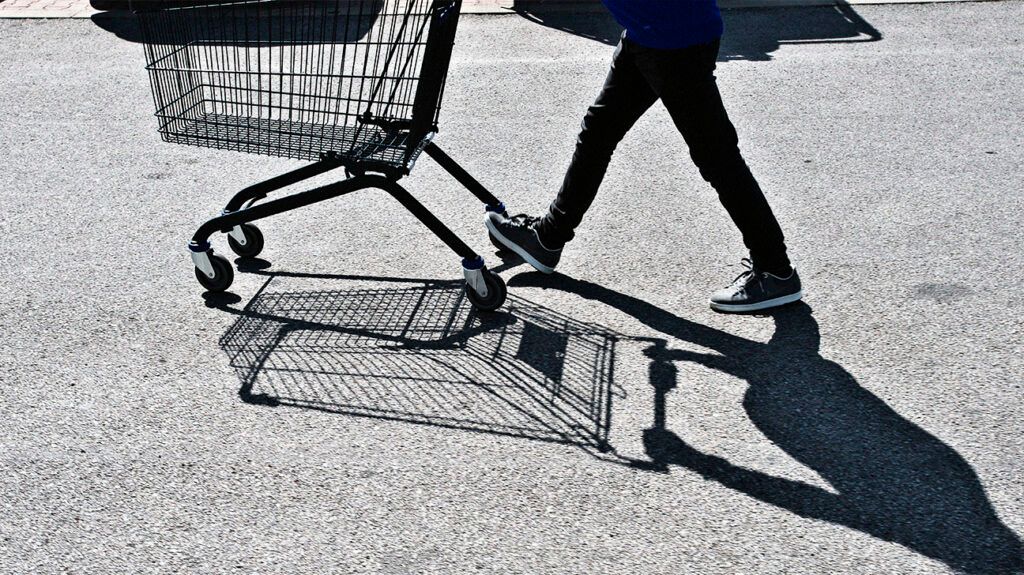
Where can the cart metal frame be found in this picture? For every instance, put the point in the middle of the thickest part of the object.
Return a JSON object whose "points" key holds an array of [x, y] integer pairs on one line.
{"points": [[181, 88]]}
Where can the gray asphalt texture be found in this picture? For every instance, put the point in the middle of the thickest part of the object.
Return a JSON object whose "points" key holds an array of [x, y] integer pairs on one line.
{"points": [[343, 411]]}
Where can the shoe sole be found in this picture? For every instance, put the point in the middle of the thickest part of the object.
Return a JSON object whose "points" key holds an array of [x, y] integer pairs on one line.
{"points": [[518, 250], [766, 304]]}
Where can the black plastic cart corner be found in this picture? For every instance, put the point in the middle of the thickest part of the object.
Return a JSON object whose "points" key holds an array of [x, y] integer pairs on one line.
{"points": [[352, 84]]}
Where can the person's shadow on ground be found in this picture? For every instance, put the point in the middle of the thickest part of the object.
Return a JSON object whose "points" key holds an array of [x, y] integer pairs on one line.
{"points": [[893, 480], [749, 34]]}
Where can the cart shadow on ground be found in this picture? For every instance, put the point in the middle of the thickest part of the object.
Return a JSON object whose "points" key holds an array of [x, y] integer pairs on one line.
{"points": [[415, 352], [751, 34]]}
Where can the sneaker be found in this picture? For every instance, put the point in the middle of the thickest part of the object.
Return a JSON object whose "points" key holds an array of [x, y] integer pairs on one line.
{"points": [[755, 290], [518, 234]]}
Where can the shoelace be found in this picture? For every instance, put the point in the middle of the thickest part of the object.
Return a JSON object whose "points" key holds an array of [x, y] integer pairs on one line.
{"points": [[743, 280], [523, 220]]}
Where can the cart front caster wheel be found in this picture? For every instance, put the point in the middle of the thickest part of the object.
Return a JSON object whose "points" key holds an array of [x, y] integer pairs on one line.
{"points": [[496, 293], [253, 242], [223, 275]]}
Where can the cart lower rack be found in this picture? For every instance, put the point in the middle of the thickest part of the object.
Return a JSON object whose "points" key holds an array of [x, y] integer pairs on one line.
{"points": [[349, 84]]}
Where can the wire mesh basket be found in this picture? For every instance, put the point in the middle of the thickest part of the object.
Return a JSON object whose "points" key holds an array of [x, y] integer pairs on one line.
{"points": [[359, 80]]}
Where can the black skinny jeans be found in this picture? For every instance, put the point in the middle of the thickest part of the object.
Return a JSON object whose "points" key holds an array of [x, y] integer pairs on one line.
{"points": [[684, 81]]}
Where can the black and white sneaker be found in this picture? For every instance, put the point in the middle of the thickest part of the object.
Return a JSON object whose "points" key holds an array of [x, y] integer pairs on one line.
{"points": [[755, 290], [518, 234]]}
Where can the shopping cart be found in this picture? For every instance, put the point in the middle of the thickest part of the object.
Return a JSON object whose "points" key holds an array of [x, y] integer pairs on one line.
{"points": [[352, 84]]}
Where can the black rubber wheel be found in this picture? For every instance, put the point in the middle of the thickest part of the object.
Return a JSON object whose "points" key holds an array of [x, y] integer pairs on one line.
{"points": [[253, 242], [496, 293], [223, 275]]}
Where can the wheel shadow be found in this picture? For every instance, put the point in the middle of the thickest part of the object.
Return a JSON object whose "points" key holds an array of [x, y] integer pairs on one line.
{"points": [[750, 34], [893, 480], [415, 351]]}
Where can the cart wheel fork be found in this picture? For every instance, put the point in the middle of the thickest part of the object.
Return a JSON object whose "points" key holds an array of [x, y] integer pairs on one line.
{"points": [[238, 235], [484, 288], [201, 258], [474, 271]]}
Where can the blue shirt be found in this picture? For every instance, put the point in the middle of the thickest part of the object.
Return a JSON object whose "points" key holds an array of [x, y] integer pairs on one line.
{"points": [[668, 24]]}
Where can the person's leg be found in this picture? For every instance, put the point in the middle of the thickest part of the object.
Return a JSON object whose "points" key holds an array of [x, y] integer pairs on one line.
{"points": [[625, 97], [685, 82]]}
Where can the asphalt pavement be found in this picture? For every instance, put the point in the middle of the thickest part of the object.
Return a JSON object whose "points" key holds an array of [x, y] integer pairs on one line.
{"points": [[342, 410]]}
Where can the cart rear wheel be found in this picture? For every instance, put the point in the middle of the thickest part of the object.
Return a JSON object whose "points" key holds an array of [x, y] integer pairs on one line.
{"points": [[223, 275], [496, 293], [253, 242]]}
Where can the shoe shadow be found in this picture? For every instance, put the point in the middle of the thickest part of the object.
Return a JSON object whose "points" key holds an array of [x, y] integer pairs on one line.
{"points": [[894, 480], [415, 351]]}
